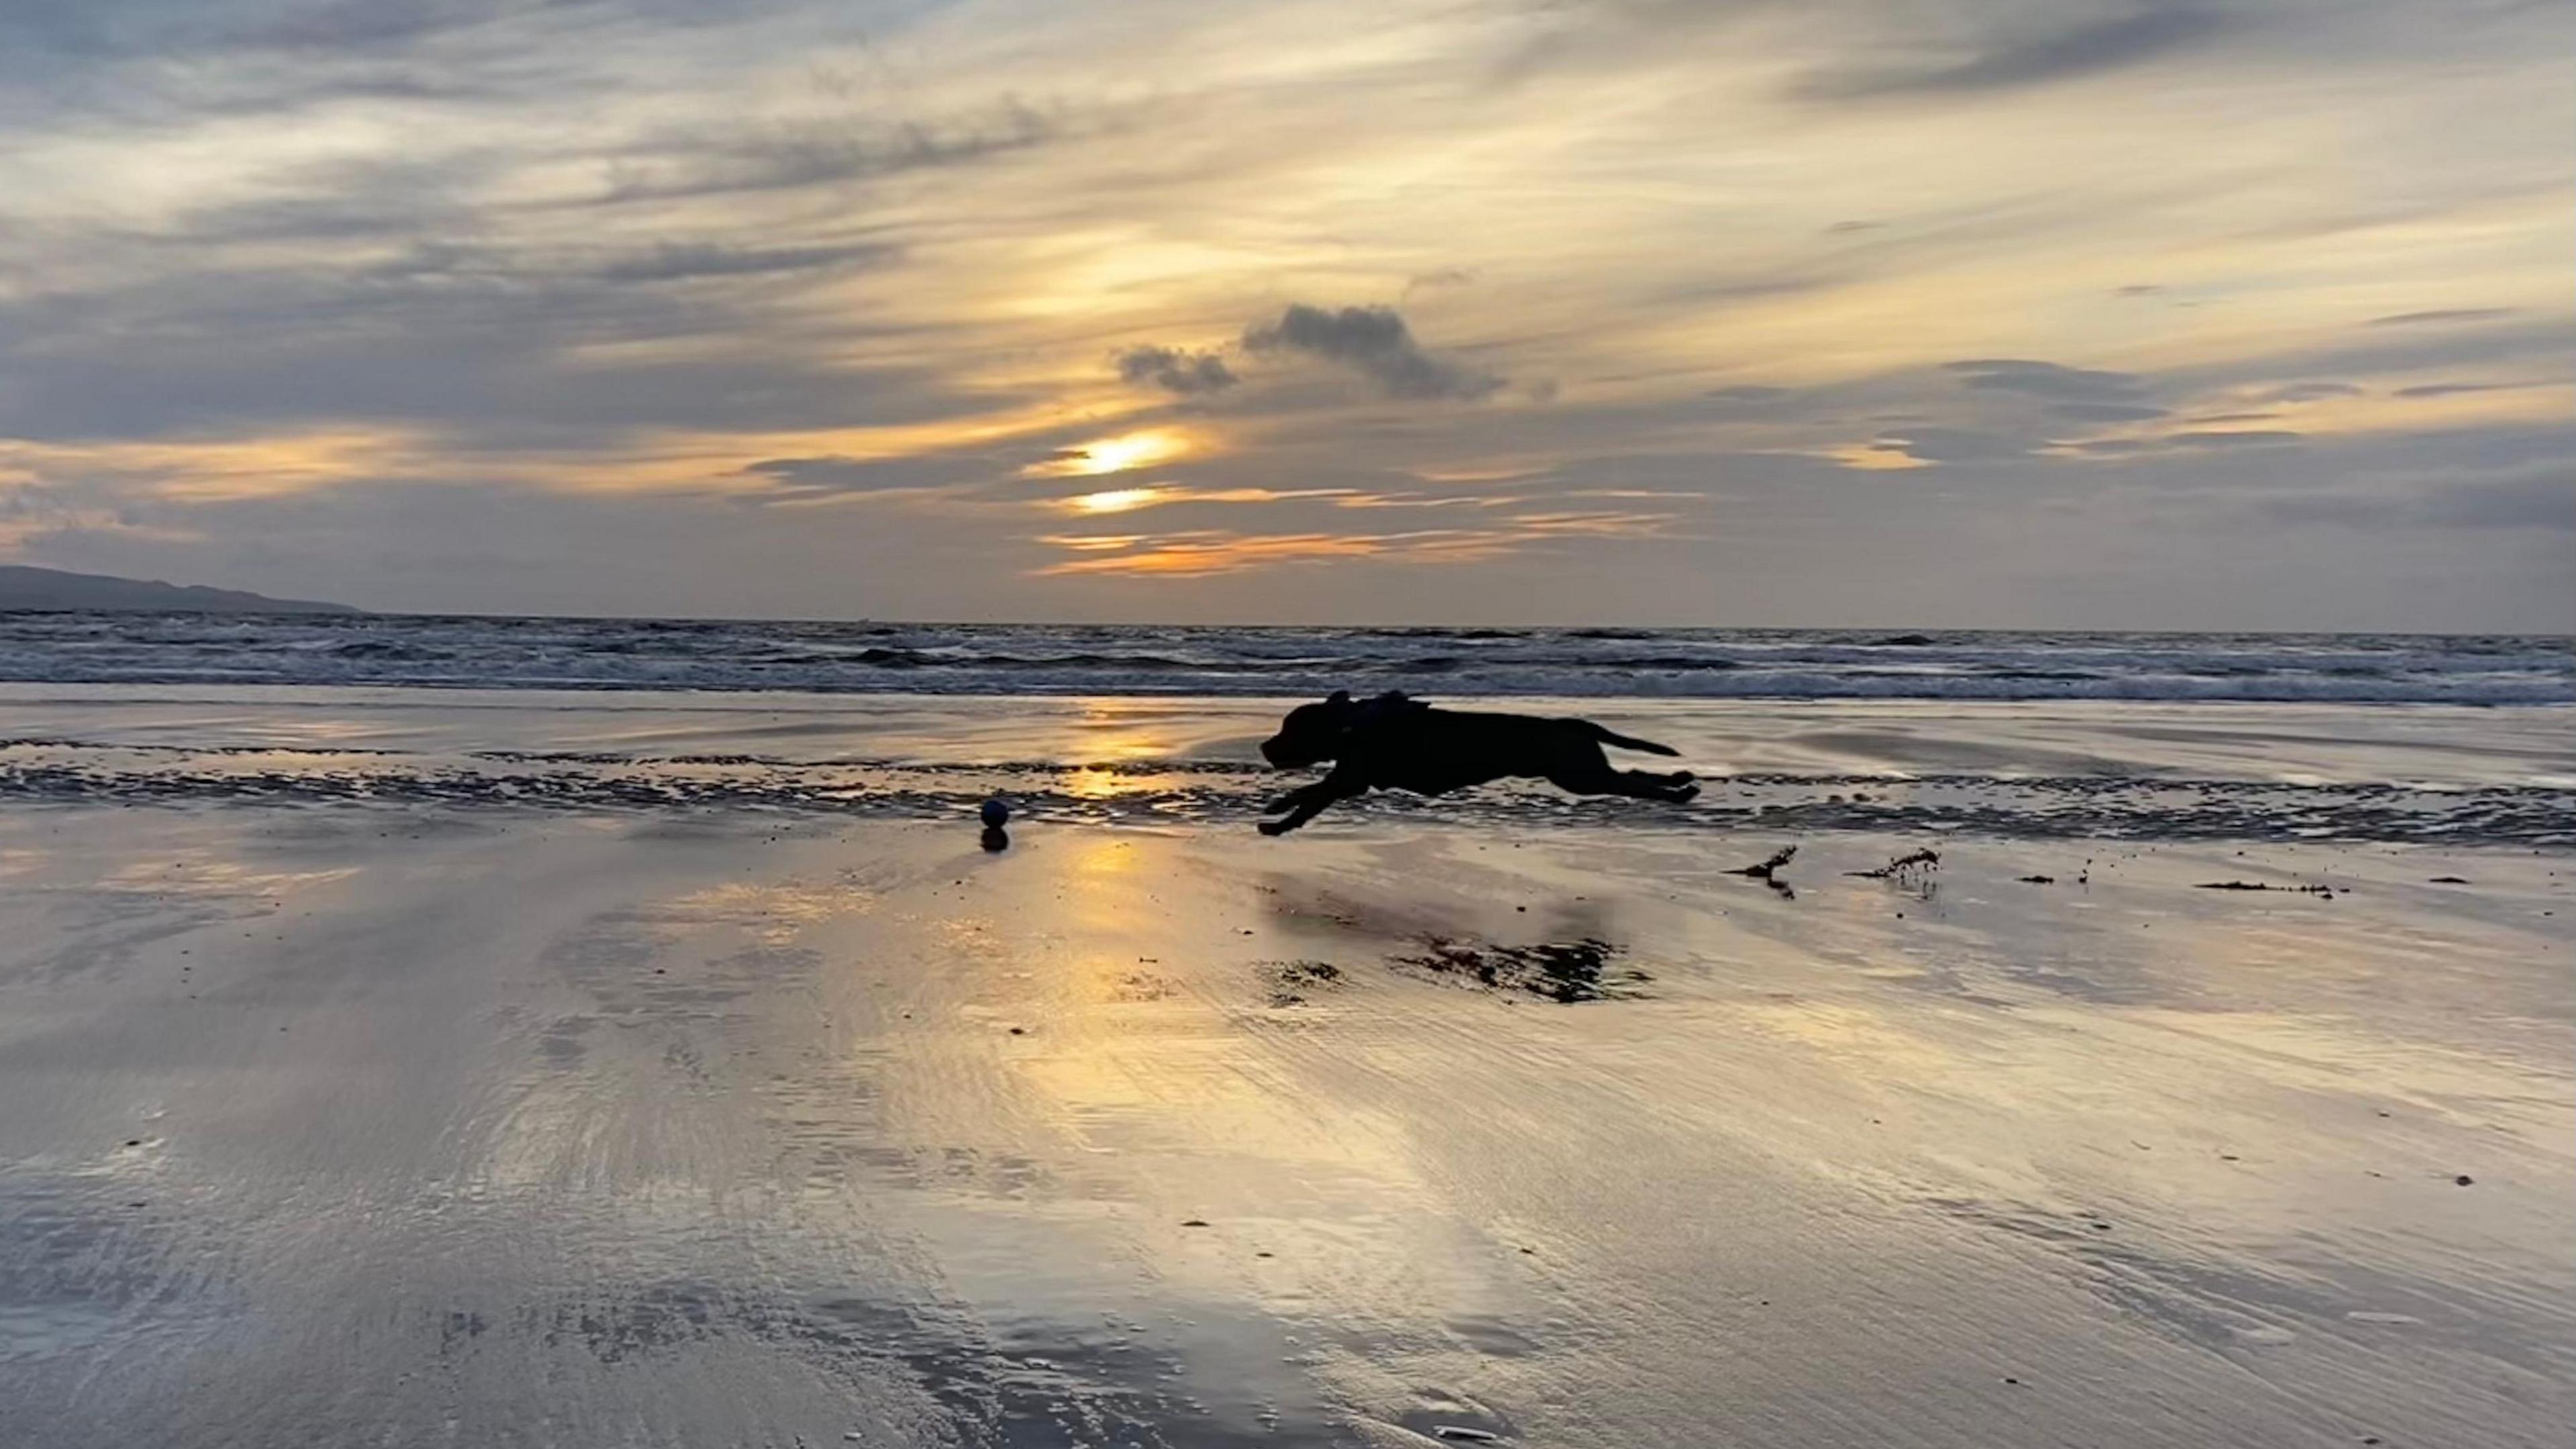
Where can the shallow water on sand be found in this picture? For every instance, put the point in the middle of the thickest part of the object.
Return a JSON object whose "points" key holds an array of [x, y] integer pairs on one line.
{"points": [[2065, 769], [510, 1067], [415, 1124]]}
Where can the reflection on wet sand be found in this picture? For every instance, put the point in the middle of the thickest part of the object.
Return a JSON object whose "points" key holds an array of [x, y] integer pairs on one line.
{"points": [[739, 1128]]}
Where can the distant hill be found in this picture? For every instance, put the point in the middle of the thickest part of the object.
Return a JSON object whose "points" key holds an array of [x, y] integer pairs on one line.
{"points": [[23, 589]]}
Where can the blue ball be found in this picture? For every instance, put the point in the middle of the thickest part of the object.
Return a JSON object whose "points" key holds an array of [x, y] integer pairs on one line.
{"points": [[996, 813]]}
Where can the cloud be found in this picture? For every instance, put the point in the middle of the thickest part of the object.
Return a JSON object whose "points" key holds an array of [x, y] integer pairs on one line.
{"points": [[2139, 289], [2106, 412], [2192, 440], [1374, 342], [1201, 553], [2043, 379], [1951, 445], [2543, 500], [674, 262], [815, 479], [673, 168], [2103, 45], [2449, 389], [2442, 317], [1189, 374], [2311, 392], [1444, 277]]}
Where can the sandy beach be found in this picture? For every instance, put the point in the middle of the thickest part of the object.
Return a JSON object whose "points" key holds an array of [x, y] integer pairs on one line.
{"points": [[408, 1121]]}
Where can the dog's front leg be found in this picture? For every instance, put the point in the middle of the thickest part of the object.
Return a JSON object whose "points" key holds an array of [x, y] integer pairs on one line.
{"points": [[1307, 802], [1289, 801]]}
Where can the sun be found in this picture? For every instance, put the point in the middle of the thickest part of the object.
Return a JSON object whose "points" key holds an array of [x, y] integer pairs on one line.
{"points": [[1117, 454], [1114, 500]]}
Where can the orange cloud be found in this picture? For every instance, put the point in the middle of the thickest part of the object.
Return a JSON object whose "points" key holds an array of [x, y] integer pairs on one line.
{"points": [[1201, 553]]}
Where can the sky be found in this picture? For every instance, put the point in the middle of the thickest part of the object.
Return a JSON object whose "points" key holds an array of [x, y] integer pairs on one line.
{"points": [[1945, 313]]}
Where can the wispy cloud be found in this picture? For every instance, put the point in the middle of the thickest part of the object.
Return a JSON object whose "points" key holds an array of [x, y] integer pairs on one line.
{"points": [[2147, 33]]}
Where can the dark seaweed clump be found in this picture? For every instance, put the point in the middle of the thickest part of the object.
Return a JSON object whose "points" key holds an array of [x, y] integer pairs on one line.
{"points": [[1565, 972]]}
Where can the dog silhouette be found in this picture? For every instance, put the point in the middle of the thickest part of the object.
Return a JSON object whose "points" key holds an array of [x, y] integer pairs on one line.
{"points": [[1396, 743]]}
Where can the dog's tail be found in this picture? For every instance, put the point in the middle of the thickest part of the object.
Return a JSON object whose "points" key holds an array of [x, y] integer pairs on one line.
{"points": [[1627, 742]]}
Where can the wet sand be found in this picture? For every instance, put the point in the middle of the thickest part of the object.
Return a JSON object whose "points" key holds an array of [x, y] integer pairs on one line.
{"points": [[423, 1125]]}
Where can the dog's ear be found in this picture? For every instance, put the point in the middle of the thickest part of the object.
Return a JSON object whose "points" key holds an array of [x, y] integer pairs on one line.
{"points": [[1338, 696]]}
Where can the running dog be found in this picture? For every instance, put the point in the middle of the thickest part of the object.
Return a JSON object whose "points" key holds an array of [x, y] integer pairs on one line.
{"points": [[1395, 743]]}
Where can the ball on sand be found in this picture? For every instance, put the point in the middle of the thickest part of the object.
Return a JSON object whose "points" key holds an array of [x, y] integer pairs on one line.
{"points": [[996, 813]]}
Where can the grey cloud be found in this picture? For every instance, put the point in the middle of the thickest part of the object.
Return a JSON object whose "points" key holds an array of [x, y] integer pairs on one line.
{"points": [[829, 476], [1445, 277], [2043, 379], [2442, 316], [476, 344], [2311, 391], [2447, 389], [2195, 439], [1374, 342], [2106, 412], [2141, 35], [673, 262], [1953, 445], [2139, 289], [2544, 500], [1747, 395], [796, 163], [1189, 374], [2541, 501]]}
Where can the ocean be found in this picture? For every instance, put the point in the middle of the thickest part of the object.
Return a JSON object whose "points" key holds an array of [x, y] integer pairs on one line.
{"points": [[1050, 659]]}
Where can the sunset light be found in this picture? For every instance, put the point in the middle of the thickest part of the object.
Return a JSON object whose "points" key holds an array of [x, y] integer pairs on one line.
{"points": [[1115, 500], [1115, 454]]}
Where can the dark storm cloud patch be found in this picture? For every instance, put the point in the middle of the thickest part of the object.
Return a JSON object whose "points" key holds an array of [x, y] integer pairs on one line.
{"points": [[2443, 317], [1374, 342], [2012, 63], [2044, 379], [1188, 374]]}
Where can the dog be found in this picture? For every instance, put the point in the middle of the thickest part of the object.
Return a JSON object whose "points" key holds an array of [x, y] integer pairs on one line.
{"points": [[1395, 743]]}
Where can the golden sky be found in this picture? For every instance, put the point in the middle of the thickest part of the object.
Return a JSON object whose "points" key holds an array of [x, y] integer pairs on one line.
{"points": [[1865, 311]]}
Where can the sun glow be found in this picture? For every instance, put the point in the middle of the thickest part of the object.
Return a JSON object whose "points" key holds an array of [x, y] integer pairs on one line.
{"points": [[1117, 454], [1114, 500]]}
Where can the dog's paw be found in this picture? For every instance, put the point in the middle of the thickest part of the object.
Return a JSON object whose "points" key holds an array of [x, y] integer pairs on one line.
{"points": [[1274, 827]]}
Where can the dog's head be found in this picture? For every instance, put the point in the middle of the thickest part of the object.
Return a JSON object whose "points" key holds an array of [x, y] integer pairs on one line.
{"points": [[1312, 733]]}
